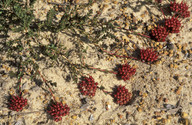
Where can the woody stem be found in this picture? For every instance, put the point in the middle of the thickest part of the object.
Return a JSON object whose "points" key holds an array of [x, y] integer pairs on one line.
{"points": [[106, 92], [135, 32], [102, 70], [20, 85], [47, 85], [19, 81]]}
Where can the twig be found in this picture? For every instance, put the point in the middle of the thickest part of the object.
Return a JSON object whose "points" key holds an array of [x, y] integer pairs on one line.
{"points": [[106, 92], [135, 32], [162, 12], [90, 67], [47, 85], [114, 54], [22, 113], [25, 113], [102, 70], [64, 4], [19, 82], [72, 64]]}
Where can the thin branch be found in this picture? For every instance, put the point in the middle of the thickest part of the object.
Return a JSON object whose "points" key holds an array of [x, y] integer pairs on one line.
{"points": [[102, 70], [47, 85]]}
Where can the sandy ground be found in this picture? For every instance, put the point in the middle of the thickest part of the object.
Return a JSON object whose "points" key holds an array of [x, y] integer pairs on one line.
{"points": [[156, 86]]}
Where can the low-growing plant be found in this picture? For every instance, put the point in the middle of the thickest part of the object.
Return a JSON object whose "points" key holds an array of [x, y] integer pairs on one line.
{"points": [[27, 49]]}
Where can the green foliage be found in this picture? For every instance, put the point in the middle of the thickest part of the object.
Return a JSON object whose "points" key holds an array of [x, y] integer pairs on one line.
{"points": [[50, 17], [18, 17], [12, 74], [51, 51]]}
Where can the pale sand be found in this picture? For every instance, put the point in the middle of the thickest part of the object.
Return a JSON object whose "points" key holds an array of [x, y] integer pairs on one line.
{"points": [[68, 91]]}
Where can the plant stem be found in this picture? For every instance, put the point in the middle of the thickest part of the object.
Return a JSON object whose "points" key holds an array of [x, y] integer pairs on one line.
{"points": [[80, 73], [135, 32], [19, 82], [20, 85], [63, 4], [47, 85], [141, 34], [90, 67], [162, 12], [106, 92], [114, 54], [102, 70]]}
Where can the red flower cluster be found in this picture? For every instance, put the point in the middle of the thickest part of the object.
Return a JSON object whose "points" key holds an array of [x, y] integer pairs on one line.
{"points": [[159, 34], [181, 9], [57, 110], [88, 86], [173, 25], [125, 72], [122, 96], [16, 103], [148, 55]]}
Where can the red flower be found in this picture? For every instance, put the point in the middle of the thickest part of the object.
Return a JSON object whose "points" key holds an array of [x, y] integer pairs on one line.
{"points": [[148, 55], [16, 103], [173, 25], [181, 9], [125, 72], [122, 96], [175, 7], [88, 86], [57, 110], [159, 34]]}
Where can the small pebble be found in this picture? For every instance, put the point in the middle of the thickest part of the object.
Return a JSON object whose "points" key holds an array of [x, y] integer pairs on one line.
{"points": [[170, 55], [157, 113], [74, 117], [112, 120], [108, 107], [57, 98], [158, 117], [85, 106], [142, 15], [185, 121], [163, 120], [126, 26], [169, 106], [162, 112], [25, 91], [178, 91], [91, 118], [45, 101], [170, 46], [184, 115], [144, 122], [18, 123], [120, 116], [145, 94], [169, 116], [158, 62], [168, 121], [175, 66], [139, 109]]}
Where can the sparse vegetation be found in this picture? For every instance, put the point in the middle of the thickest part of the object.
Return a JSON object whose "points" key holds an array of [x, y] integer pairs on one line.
{"points": [[26, 49]]}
